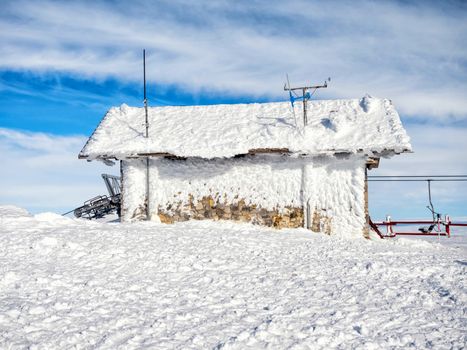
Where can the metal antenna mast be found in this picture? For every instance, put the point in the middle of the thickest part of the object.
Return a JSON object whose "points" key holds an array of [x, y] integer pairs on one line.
{"points": [[306, 95], [147, 135], [145, 97]]}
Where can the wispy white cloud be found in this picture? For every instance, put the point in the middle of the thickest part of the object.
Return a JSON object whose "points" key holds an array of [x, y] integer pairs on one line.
{"points": [[414, 53], [42, 172], [438, 150]]}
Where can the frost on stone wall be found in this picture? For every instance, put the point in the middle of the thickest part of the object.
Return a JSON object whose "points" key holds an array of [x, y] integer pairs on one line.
{"points": [[217, 208], [334, 190], [323, 193], [134, 190]]}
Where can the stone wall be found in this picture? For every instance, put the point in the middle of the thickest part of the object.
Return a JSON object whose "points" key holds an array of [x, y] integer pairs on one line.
{"points": [[217, 209], [268, 190], [321, 222]]}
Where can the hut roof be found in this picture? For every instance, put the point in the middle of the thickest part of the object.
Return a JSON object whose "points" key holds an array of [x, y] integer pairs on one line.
{"points": [[368, 125]]}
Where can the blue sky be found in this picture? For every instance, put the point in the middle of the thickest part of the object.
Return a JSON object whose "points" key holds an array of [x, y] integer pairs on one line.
{"points": [[64, 64]]}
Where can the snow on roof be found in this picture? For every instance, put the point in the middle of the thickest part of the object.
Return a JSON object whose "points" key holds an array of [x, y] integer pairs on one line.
{"points": [[368, 125]]}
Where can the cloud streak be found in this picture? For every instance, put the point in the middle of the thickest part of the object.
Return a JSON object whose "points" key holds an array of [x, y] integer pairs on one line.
{"points": [[414, 53], [41, 172], [438, 150]]}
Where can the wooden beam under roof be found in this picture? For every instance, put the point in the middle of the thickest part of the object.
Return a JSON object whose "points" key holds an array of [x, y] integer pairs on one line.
{"points": [[156, 154], [372, 163], [268, 150], [251, 152]]}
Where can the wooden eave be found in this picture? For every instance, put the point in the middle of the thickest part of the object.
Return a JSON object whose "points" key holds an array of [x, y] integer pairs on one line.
{"points": [[102, 157], [269, 150], [372, 161], [156, 154]]}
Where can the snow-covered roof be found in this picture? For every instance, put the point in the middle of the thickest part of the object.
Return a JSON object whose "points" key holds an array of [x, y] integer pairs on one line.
{"points": [[368, 125]]}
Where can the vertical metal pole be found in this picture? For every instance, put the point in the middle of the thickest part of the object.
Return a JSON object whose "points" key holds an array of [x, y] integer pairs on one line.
{"points": [[305, 121], [429, 197], [145, 97], [305, 193], [366, 229], [120, 211], [147, 190], [447, 219], [147, 135]]}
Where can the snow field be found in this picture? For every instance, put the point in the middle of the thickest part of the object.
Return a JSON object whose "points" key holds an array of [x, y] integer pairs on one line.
{"points": [[202, 285]]}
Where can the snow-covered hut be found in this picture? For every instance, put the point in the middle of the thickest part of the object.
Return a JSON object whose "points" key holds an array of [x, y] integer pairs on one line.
{"points": [[254, 163]]}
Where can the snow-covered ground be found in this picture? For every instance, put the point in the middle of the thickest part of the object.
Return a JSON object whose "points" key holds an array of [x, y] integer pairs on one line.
{"points": [[68, 283]]}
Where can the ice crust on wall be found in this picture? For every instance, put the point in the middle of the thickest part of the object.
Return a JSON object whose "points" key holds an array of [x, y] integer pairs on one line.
{"points": [[334, 187], [359, 125], [133, 187]]}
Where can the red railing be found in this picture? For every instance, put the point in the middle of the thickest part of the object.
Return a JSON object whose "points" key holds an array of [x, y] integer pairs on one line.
{"points": [[440, 227]]}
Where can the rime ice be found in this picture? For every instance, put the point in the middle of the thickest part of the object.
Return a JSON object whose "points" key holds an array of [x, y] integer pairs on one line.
{"points": [[251, 162], [366, 125]]}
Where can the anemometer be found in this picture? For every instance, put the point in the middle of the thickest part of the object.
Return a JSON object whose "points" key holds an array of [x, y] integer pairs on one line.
{"points": [[305, 95]]}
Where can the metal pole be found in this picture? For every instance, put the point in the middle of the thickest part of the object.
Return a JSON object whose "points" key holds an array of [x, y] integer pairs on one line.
{"points": [[304, 90], [145, 97], [147, 135], [305, 121], [429, 198]]}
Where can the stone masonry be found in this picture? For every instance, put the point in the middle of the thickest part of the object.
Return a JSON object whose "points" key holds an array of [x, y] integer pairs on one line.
{"points": [[216, 209]]}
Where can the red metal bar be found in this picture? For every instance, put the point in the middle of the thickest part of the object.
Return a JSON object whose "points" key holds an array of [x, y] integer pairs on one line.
{"points": [[420, 234], [388, 223], [376, 229], [384, 223]]}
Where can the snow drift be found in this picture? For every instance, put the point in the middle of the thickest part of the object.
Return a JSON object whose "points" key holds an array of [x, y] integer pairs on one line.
{"points": [[73, 283]]}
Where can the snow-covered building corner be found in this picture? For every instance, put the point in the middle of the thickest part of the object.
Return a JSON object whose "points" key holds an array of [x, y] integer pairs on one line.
{"points": [[253, 163]]}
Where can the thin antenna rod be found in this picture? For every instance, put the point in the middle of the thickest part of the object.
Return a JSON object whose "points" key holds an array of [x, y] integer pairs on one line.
{"points": [[291, 97], [148, 211], [145, 97]]}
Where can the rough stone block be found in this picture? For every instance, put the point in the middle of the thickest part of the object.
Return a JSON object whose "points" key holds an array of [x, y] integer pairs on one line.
{"points": [[211, 208]]}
